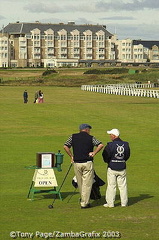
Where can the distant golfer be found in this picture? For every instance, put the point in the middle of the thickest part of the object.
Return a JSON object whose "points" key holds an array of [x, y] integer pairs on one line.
{"points": [[36, 97], [116, 153], [83, 144], [25, 96]]}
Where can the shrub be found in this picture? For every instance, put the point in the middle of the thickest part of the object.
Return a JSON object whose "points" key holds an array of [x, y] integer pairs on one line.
{"points": [[107, 71], [48, 71], [93, 71]]}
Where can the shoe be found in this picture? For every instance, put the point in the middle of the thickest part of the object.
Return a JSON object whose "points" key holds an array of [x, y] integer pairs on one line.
{"points": [[87, 206], [106, 205]]}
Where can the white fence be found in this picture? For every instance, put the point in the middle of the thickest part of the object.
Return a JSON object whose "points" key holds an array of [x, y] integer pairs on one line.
{"points": [[131, 85], [123, 89]]}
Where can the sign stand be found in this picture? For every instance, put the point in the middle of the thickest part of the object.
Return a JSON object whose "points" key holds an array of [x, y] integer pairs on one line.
{"points": [[44, 176]]}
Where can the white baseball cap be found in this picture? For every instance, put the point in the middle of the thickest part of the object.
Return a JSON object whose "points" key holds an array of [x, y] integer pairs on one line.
{"points": [[114, 131]]}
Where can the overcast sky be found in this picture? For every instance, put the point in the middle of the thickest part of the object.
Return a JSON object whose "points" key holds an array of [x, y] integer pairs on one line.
{"points": [[134, 19]]}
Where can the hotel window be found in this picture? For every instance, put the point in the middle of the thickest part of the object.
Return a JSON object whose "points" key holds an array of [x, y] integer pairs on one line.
{"points": [[89, 56], [22, 49], [37, 50], [89, 50], [63, 55], [76, 44], [89, 44], [101, 44], [50, 43], [76, 37], [70, 37], [36, 36], [22, 42], [101, 37], [28, 36], [63, 37], [76, 50], [49, 37], [76, 55], [64, 50], [88, 37], [101, 56], [37, 43], [82, 37], [63, 44], [101, 50], [4, 55]]}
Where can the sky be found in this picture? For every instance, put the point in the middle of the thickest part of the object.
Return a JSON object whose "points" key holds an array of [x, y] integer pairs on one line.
{"points": [[134, 19]]}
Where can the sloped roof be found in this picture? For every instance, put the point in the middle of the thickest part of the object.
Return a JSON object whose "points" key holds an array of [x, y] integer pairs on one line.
{"points": [[147, 44], [25, 28]]}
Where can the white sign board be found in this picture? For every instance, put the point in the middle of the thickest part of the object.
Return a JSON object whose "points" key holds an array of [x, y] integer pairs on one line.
{"points": [[44, 178], [46, 161]]}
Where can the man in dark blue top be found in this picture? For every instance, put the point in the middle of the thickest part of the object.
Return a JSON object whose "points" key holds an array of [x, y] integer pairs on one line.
{"points": [[83, 144], [116, 153], [25, 96]]}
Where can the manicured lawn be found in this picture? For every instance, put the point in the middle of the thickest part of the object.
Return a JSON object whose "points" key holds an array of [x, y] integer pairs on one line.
{"points": [[30, 128]]}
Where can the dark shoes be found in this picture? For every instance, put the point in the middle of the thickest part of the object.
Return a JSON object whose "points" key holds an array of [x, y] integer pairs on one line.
{"points": [[87, 206]]}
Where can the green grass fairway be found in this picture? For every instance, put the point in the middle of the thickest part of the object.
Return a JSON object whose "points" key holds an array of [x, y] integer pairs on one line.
{"points": [[30, 128]]}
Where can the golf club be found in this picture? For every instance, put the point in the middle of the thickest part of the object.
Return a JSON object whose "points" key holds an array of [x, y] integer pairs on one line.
{"points": [[51, 205]]}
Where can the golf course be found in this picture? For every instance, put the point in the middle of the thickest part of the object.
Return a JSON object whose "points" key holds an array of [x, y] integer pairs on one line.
{"points": [[27, 129]]}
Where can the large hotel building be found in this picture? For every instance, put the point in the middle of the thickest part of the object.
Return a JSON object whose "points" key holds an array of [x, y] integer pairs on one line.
{"points": [[58, 45]]}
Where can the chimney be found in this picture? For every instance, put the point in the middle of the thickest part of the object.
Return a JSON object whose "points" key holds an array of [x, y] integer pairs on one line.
{"points": [[71, 23]]}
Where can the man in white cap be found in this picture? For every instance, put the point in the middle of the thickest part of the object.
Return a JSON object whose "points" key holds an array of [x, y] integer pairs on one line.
{"points": [[116, 153], [82, 158]]}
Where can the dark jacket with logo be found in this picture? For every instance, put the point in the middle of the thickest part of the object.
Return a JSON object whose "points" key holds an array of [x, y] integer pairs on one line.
{"points": [[116, 153]]}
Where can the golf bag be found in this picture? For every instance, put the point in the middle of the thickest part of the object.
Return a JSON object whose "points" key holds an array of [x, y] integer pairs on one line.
{"points": [[95, 192]]}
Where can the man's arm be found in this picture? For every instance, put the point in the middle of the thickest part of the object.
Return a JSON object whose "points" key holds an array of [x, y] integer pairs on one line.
{"points": [[99, 147], [68, 151], [106, 154], [127, 152]]}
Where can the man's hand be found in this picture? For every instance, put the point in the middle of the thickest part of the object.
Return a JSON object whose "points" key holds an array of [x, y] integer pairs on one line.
{"points": [[67, 149], [72, 160], [91, 154]]}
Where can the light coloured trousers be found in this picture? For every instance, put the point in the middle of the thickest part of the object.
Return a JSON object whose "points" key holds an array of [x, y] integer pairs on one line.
{"points": [[116, 178], [85, 174]]}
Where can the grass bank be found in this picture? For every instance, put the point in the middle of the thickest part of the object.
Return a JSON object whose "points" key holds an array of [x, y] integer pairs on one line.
{"points": [[30, 128], [74, 77]]}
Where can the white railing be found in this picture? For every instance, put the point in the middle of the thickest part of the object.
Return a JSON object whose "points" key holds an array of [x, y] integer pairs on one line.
{"points": [[123, 89]]}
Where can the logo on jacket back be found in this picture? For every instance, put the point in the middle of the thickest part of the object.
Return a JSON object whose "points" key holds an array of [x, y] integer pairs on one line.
{"points": [[120, 152]]}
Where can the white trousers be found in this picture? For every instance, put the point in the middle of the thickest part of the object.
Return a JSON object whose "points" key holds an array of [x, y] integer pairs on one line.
{"points": [[116, 178], [84, 173]]}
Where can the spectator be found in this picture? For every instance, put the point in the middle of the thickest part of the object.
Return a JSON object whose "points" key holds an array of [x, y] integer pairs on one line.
{"points": [[25, 96], [116, 153]]}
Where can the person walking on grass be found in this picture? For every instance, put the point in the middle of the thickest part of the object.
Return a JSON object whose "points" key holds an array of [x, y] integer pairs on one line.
{"points": [[83, 144], [116, 153], [25, 96], [40, 97], [36, 97]]}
